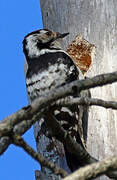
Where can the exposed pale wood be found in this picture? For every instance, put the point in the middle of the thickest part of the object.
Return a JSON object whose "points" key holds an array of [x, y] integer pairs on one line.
{"points": [[82, 52]]}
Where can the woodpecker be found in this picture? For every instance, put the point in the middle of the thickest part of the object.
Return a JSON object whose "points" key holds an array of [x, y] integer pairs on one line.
{"points": [[50, 67]]}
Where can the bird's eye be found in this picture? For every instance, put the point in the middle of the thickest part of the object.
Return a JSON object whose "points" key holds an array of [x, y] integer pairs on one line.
{"points": [[48, 33]]}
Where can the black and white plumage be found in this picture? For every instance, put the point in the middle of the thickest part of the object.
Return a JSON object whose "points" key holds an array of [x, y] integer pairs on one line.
{"points": [[50, 67]]}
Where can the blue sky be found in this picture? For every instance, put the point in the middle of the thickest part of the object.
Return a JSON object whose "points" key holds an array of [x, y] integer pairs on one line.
{"points": [[17, 19]]}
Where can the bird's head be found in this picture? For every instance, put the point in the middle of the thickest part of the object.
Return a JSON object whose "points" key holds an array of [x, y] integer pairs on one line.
{"points": [[38, 40]]}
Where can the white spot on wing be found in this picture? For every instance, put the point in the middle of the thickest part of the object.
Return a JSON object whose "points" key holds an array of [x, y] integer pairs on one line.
{"points": [[43, 31], [47, 80]]}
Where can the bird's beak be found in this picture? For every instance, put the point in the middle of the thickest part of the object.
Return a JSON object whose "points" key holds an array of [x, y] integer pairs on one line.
{"points": [[62, 35], [59, 35]]}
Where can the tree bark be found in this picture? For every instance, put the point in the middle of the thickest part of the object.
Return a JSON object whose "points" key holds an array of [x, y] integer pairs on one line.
{"points": [[97, 22]]}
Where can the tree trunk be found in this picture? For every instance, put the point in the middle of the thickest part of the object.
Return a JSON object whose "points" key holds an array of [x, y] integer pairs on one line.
{"points": [[97, 22]]}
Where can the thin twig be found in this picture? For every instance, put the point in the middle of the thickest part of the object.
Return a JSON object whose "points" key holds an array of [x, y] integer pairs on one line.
{"points": [[19, 141], [86, 101], [29, 112], [5, 141], [24, 118], [94, 170], [74, 147]]}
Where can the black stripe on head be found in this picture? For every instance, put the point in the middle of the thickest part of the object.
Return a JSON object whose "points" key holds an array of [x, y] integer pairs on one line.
{"points": [[40, 44], [24, 42], [36, 32], [31, 33]]}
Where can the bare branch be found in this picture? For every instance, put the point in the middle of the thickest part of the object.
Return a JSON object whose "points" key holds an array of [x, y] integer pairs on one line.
{"points": [[94, 170], [4, 144], [25, 114], [73, 146], [68, 141], [22, 120], [19, 141], [86, 101], [39, 175], [29, 112]]}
